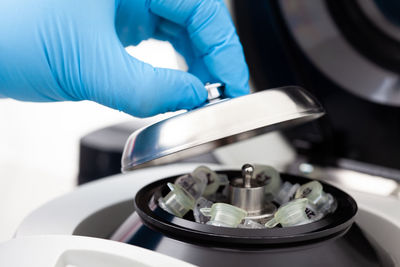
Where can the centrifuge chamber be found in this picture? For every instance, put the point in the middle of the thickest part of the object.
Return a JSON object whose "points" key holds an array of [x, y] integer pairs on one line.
{"points": [[99, 208]]}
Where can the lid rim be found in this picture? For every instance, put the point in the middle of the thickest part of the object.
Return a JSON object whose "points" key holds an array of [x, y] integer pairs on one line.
{"points": [[191, 130]]}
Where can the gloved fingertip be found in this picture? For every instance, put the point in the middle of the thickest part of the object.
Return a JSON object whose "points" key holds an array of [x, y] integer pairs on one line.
{"points": [[235, 91], [194, 91], [168, 90]]}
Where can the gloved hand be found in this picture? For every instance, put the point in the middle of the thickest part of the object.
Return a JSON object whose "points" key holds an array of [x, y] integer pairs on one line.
{"points": [[74, 50]]}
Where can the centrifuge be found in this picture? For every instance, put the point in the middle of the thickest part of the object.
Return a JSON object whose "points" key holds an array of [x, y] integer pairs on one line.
{"points": [[100, 208], [343, 52], [137, 208]]}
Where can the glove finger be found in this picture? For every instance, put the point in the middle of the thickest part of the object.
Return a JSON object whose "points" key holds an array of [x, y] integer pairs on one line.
{"points": [[168, 90], [213, 37], [178, 37], [133, 22], [122, 82]]}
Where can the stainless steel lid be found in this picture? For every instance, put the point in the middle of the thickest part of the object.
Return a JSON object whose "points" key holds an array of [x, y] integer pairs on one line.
{"points": [[218, 123]]}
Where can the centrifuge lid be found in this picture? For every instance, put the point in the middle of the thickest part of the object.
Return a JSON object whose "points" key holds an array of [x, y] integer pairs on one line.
{"points": [[218, 123]]}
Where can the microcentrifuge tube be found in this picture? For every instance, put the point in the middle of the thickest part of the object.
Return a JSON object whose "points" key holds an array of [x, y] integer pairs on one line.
{"points": [[290, 214], [224, 215], [178, 201], [214, 180], [200, 203], [195, 185], [286, 193], [251, 224], [270, 176], [320, 201]]}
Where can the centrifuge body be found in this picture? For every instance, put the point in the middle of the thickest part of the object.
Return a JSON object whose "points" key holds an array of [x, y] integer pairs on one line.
{"points": [[98, 209]]}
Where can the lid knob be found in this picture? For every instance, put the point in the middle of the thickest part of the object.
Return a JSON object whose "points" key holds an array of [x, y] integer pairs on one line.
{"points": [[214, 91]]}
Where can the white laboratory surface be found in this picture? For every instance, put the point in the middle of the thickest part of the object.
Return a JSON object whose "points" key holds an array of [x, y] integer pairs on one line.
{"points": [[74, 251]]}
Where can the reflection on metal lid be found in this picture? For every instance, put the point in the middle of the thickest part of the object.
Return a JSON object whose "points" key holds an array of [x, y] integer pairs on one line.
{"points": [[222, 122]]}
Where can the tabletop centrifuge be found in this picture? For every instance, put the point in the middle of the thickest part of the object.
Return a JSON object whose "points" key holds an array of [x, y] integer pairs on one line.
{"points": [[238, 215], [343, 52]]}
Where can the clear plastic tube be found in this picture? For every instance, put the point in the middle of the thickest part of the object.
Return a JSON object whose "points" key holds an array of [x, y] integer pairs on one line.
{"points": [[224, 215], [290, 214], [178, 201]]}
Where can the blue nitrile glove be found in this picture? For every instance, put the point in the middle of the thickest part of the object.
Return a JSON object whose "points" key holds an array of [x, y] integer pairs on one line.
{"points": [[74, 50]]}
